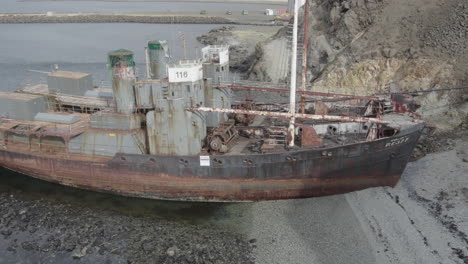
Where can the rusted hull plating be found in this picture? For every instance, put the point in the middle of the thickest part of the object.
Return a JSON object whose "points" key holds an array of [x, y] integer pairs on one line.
{"points": [[292, 174]]}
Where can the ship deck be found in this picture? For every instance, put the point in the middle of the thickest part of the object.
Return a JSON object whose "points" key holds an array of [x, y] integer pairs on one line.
{"points": [[64, 101], [41, 128], [264, 134]]}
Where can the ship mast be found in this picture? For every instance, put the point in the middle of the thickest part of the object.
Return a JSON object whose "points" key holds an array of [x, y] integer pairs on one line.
{"points": [[306, 43], [292, 92], [148, 73]]}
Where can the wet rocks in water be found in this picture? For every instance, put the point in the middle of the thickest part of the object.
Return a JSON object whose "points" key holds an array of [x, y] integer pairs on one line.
{"points": [[69, 243], [172, 251], [79, 253], [66, 232]]}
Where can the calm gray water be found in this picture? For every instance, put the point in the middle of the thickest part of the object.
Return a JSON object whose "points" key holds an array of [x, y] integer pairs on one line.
{"points": [[12, 6], [89, 43], [83, 47]]}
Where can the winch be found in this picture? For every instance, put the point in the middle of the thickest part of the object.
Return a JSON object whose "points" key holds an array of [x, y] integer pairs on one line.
{"points": [[222, 137]]}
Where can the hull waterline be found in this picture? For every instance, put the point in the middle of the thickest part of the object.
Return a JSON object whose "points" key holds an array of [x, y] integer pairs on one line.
{"points": [[286, 175]]}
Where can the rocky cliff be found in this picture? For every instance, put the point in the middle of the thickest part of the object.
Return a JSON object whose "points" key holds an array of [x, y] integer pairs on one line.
{"points": [[242, 43], [374, 46]]}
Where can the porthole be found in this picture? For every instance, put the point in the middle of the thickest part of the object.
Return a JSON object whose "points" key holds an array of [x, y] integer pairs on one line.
{"points": [[248, 162], [220, 162]]}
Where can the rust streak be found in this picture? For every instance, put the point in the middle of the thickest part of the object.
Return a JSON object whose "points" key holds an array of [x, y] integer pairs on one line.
{"points": [[277, 90], [288, 115]]}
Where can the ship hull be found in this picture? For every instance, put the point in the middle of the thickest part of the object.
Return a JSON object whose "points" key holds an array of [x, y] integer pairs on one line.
{"points": [[287, 175]]}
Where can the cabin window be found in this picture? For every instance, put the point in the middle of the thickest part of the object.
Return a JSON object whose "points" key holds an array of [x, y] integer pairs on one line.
{"points": [[188, 88], [217, 69]]}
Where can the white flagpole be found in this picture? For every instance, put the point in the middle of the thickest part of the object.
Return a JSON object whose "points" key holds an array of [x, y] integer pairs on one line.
{"points": [[292, 92], [148, 73]]}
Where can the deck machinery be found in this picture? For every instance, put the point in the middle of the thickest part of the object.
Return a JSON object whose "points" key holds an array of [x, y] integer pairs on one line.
{"points": [[182, 133]]}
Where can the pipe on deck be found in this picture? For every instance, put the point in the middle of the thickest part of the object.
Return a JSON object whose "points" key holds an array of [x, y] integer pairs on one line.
{"points": [[277, 90], [289, 115]]}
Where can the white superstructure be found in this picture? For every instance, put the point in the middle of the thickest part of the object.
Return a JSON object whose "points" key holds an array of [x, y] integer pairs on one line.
{"points": [[186, 71], [216, 54]]}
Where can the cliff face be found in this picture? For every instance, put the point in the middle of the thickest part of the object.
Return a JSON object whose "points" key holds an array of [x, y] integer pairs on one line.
{"points": [[370, 46], [242, 43]]}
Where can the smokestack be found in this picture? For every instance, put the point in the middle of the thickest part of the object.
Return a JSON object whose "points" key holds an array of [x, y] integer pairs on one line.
{"points": [[158, 59], [122, 67]]}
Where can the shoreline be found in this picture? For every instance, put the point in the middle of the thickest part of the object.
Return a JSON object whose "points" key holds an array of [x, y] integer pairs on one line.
{"points": [[214, 17], [267, 2], [419, 219]]}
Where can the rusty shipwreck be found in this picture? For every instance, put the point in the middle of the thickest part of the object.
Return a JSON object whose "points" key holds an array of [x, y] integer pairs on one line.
{"points": [[180, 133]]}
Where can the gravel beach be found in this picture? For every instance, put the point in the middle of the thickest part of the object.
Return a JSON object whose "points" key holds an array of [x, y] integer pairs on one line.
{"points": [[424, 219], [421, 220]]}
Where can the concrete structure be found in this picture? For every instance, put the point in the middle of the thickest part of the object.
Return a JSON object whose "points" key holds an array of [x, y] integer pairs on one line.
{"points": [[144, 94], [72, 83], [148, 92], [100, 93], [105, 143], [158, 56], [117, 121], [56, 118], [216, 98], [186, 81], [21, 106], [122, 66], [174, 131], [216, 54], [216, 63], [185, 71], [216, 71]]}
